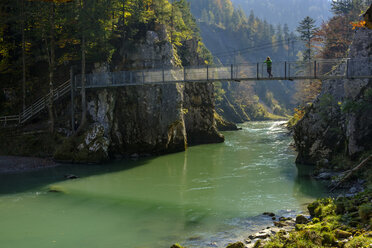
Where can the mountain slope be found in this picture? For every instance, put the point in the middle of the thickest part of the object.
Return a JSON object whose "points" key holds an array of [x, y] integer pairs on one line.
{"points": [[287, 11]]}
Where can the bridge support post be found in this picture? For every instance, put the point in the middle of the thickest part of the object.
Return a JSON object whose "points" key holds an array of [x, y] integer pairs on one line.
{"points": [[232, 71], [207, 73], [285, 70], [315, 69], [72, 83], [258, 71], [184, 74], [347, 68], [163, 73]]}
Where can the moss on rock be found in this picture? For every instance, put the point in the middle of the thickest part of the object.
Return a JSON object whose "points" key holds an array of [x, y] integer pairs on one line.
{"points": [[177, 246], [91, 147], [236, 245], [334, 224]]}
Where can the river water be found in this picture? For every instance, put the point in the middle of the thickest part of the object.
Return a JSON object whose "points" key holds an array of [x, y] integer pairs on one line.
{"points": [[208, 196]]}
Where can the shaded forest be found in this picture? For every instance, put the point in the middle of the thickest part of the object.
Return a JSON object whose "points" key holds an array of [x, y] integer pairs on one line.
{"points": [[41, 40]]}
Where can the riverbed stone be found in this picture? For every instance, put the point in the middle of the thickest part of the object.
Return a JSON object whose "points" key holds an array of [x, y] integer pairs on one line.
{"points": [[71, 176], [280, 223], [324, 176], [340, 234], [300, 219], [269, 214], [236, 245], [282, 218]]}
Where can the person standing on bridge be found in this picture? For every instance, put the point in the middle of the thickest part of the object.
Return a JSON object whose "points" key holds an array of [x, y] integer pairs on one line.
{"points": [[269, 63]]}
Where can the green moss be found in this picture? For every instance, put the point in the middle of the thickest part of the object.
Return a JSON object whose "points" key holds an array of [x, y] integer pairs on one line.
{"points": [[65, 151], [299, 227], [328, 238], [236, 245], [322, 208], [333, 221], [69, 151], [358, 242], [177, 246], [315, 220], [257, 244]]}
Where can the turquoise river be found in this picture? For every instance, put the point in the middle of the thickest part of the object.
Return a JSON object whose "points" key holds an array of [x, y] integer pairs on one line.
{"points": [[208, 196]]}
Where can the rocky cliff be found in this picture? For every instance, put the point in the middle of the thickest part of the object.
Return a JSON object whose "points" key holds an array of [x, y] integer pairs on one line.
{"points": [[339, 122], [143, 120]]}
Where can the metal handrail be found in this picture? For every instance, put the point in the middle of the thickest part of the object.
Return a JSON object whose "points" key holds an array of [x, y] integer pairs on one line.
{"points": [[37, 106], [282, 70]]}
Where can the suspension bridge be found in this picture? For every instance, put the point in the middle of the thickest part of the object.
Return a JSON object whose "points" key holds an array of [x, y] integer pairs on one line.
{"points": [[317, 69]]}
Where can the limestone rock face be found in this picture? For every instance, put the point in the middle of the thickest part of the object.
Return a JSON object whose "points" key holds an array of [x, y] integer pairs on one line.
{"points": [[199, 117], [151, 119], [153, 52], [340, 119]]}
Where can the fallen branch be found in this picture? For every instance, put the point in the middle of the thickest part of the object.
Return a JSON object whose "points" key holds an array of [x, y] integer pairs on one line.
{"points": [[364, 162]]}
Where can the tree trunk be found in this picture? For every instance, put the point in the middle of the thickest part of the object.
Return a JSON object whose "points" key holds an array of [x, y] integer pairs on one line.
{"points": [[51, 70], [172, 22], [123, 38], [359, 166], [23, 56], [83, 93]]}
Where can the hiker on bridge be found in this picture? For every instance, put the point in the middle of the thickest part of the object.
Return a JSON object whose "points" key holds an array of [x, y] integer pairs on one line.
{"points": [[269, 63]]}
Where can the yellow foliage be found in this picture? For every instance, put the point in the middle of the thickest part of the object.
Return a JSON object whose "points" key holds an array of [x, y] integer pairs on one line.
{"points": [[298, 113], [297, 116], [360, 24]]}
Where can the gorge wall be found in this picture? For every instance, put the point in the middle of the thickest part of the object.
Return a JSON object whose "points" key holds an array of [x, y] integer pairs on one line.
{"points": [[339, 122], [145, 120]]}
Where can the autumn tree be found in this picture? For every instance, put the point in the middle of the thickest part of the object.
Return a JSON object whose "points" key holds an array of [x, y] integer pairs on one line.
{"points": [[334, 37]]}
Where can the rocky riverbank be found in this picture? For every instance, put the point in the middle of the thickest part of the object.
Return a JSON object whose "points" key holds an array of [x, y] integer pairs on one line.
{"points": [[333, 222]]}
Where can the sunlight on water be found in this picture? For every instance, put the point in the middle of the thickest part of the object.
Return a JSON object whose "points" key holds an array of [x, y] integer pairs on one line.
{"points": [[211, 193]]}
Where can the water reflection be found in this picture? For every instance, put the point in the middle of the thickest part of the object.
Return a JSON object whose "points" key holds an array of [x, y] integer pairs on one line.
{"points": [[209, 193]]}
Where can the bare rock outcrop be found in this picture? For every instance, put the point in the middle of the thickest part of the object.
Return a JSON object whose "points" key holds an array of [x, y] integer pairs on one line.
{"points": [[151, 119], [339, 122]]}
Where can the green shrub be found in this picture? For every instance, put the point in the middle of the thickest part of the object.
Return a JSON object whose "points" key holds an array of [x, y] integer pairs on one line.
{"points": [[365, 212]]}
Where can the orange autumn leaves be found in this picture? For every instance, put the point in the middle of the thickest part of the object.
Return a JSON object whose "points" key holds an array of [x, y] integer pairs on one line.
{"points": [[360, 24]]}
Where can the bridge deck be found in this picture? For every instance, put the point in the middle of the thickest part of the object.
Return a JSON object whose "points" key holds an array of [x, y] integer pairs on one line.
{"points": [[321, 69]]}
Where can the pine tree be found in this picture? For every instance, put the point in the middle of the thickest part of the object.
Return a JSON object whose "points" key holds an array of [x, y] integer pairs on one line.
{"points": [[307, 29]]}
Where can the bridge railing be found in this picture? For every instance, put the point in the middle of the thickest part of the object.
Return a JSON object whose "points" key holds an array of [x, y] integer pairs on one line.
{"points": [[251, 71], [359, 68]]}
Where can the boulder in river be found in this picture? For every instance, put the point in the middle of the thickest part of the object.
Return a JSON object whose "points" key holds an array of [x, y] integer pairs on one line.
{"points": [[300, 219], [71, 176]]}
